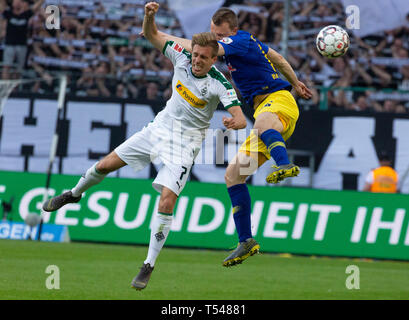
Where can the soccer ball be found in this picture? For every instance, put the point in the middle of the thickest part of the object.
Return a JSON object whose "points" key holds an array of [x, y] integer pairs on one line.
{"points": [[332, 41], [33, 219]]}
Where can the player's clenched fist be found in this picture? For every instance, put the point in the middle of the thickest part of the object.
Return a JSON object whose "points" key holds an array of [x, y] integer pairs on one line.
{"points": [[151, 8]]}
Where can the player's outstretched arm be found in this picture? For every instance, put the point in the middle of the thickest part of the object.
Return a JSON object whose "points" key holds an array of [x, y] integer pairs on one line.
{"points": [[287, 71], [150, 31], [237, 121], [186, 43]]}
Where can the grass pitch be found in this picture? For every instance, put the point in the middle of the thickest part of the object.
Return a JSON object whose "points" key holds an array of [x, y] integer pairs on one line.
{"points": [[100, 271]]}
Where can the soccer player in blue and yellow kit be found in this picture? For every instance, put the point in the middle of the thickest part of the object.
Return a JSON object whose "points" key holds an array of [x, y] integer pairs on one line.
{"points": [[254, 67]]}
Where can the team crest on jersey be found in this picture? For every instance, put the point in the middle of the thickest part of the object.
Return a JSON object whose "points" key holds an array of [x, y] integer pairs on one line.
{"points": [[186, 94], [203, 91], [227, 40]]}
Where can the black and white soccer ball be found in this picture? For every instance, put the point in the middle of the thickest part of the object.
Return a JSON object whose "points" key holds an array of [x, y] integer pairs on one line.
{"points": [[332, 41]]}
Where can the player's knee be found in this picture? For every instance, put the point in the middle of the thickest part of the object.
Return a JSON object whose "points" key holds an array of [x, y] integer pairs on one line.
{"points": [[232, 176], [103, 167]]}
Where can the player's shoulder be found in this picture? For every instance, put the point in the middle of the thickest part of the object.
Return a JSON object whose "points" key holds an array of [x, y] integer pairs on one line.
{"points": [[240, 36], [176, 48], [218, 79]]}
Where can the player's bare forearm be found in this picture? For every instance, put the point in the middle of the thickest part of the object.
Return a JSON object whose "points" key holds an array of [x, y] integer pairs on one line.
{"points": [[185, 43], [238, 121], [287, 71], [150, 30], [283, 66]]}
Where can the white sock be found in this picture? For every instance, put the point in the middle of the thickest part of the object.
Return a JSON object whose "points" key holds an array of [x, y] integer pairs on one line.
{"points": [[91, 178], [159, 233]]}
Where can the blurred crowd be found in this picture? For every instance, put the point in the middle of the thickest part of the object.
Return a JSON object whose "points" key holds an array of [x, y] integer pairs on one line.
{"points": [[99, 44]]}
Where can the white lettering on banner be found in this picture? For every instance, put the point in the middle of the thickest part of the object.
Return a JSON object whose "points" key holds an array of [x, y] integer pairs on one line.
{"points": [[324, 211], [400, 133], [61, 218], [351, 151], [140, 217], [255, 219], [218, 209], [407, 236], [395, 226], [2, 188], [99, 209], [300, 221], [15, 134], [358, 224], [16, 231], [83, 138], [25, 201], [273, 218]]}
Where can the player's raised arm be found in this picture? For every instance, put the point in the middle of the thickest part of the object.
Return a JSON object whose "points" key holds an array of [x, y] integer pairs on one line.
{"points": [[186, 43], [150, 31], [287, 71], [238, 121]]}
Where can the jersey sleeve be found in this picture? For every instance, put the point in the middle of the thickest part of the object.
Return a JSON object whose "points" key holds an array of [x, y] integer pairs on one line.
{"points": [[235, 45], [176, 53], [225, 91], [228, 97]]}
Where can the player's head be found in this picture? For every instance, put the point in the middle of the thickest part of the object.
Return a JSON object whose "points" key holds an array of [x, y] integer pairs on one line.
{"points": [[204, 52], [224, 23]]}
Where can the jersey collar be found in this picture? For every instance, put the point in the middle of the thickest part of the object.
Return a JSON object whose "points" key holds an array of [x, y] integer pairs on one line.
{"points": [[197, 77]]}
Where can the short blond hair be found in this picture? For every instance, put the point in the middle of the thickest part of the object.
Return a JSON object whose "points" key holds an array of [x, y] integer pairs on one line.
{"points": [[206, 39]]}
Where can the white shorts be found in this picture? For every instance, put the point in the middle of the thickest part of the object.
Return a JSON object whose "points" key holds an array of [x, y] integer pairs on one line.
{"points": [[156, 142]]}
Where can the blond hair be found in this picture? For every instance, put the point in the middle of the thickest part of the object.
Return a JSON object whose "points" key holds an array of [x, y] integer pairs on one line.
{"points": [[206, 39]]}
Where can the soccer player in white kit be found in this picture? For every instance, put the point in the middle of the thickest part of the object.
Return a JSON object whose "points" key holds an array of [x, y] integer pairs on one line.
{"points": [[175, 135]]}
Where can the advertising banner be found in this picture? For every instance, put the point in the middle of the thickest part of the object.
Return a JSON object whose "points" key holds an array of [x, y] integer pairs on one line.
{"points": [[286, 220]]}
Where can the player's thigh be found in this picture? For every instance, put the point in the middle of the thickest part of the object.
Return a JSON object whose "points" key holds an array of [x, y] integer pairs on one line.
{"points": [[266, 121], [172, 177], [110, 163], [279, 111]]}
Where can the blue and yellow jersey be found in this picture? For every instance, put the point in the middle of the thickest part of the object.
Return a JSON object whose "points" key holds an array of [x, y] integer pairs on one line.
{"points": [[252, 71]]}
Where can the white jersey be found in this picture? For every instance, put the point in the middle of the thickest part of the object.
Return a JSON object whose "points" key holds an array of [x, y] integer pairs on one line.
{"points": [[194, 99]]}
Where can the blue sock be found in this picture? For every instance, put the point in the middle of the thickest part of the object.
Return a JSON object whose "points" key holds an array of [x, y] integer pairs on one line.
{"points": [[241, 202], [276, 146]]}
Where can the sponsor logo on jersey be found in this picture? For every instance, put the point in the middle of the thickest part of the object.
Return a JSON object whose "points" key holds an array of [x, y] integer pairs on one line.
{"points": [[186, 94], [231, 93], [227, 40], [177, 47]]}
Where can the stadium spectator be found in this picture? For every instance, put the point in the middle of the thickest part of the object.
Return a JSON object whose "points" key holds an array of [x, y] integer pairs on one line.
{"points": [[15, 27], [109, 33], [152, 97], [383, 179]]}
